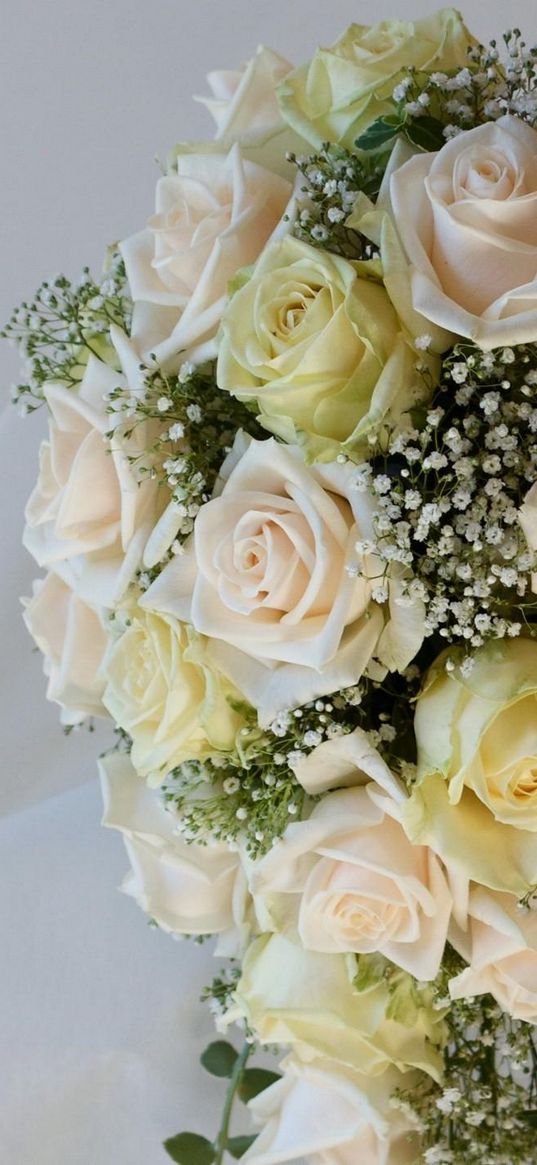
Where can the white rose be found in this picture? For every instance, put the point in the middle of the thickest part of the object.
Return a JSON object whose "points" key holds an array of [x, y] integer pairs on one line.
{"points": [[466, 219], [332, 1116], [244, 103], [88, 506], [502, 954], [312, 1001], [350, 881], [188, 888], [266, 576], [72, 636], [214, 214], [346, 760], [161, 689]]}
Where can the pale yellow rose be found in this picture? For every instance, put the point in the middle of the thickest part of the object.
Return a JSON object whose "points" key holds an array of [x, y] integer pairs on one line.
{"points": [[73, 638], [214, 213], [347, 879], [163, 691], [475, 801], [88, 507], [457, 235], [187, 888], [348, 86], [332, 1116], [269, 575], [318, 345], [309, 1000], [502, 954]]}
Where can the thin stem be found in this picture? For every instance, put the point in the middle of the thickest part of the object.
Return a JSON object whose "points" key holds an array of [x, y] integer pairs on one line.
{"points": [[234, 1081]]}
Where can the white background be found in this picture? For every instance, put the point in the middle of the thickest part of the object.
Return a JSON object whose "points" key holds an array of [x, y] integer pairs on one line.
{"points": [[102, 1025]]}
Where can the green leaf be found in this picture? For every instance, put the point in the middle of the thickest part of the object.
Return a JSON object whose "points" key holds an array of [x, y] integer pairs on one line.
{"points": [[255, 1080], [237, 1146], [380, 133], [426, 132], [530, 1116], [219, 1058], [371, 971], [190, 1149]]}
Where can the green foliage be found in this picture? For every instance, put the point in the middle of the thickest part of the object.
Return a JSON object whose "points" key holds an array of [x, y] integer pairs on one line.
{"points": [[219, 1058], [380, 133], [238, 1146], [255, 1080], [190, 1149], [425, 132]]}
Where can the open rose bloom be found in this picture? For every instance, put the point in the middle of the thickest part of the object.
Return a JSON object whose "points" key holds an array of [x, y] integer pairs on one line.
{"points": [[286, 514]]}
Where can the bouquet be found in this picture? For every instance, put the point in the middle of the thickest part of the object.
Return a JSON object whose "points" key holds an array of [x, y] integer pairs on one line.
{"points": [[287, 512]]}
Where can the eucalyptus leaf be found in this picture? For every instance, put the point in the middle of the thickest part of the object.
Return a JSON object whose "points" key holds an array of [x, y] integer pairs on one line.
{"points": [[190, 1149], [255, 1080], [379, 133], [219, 1058], [237, 1146]]}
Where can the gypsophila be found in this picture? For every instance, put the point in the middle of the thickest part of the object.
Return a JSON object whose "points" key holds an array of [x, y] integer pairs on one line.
{"points": [[483, 1046], [332, 180], [459, 486], [63, 324]]}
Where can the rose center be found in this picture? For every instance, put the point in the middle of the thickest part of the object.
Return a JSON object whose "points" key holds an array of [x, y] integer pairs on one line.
{"points": [[291, 314], [525, 785]]}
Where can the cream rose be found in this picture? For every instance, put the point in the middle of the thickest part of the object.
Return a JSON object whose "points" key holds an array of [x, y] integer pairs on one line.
{"points": [[350, 881], [310, 1001], [188, 888], [214, 213], [88, 507], [346, 760], [346, 87], [319, 347], [73, 638], [476, 798], [270, 576], [332, 1116], [466, 218], [502, 955], [162, 690]]}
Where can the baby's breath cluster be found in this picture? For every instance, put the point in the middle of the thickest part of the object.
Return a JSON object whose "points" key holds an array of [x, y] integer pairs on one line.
{"points": [[194, 425], [56, 332], [431, 108], [220, 994], [252, 794], [449, 495], [485, 1112], [333, 179]]}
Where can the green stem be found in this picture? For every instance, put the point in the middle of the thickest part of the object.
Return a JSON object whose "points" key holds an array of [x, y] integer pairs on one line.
{"points": [[234, 1081]]}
